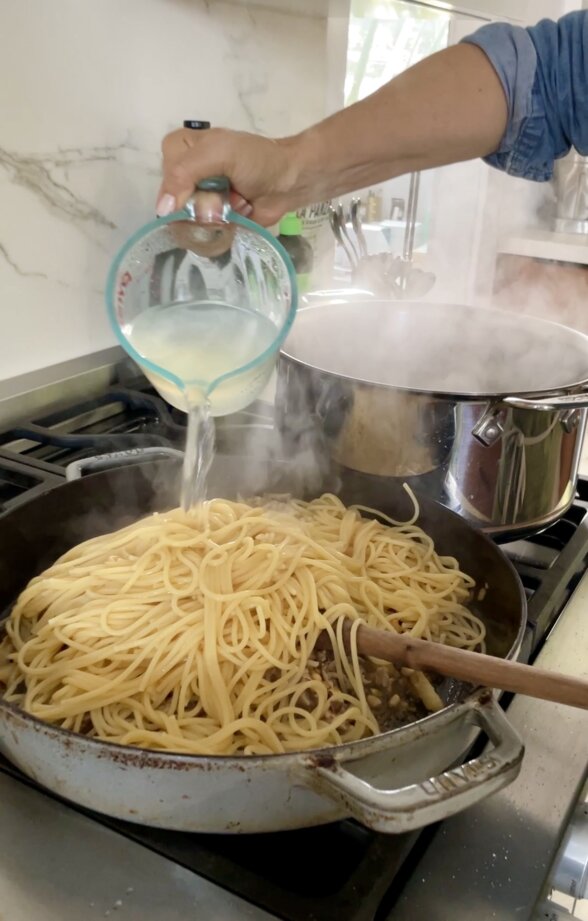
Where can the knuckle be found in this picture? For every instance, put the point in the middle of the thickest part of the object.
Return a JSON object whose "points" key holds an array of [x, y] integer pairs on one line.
{"points": [[174, 143]]}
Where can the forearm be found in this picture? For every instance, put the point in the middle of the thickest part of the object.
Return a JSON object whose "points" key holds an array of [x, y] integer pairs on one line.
{"points": [[448, 108]]}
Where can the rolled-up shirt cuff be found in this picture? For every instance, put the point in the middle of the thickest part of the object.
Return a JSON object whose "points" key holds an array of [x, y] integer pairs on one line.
{"points": [[512, 53]]}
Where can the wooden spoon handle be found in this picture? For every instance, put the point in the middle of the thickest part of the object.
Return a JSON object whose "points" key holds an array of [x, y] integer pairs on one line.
{"points": [[475, 667]]}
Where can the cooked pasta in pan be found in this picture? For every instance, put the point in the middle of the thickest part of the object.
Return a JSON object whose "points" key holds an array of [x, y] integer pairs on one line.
{"points": [[197, 632]]}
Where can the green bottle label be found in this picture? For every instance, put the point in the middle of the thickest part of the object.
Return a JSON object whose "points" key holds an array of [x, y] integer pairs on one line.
{"points": [[303, 281]]}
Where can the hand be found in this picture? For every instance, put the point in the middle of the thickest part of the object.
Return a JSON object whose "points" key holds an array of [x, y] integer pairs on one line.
{"points": [[261, 171]]}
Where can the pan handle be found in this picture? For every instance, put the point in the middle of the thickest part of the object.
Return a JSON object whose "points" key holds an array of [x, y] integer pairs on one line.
{"points": [[408, 808], [549, 403], [78, 468]]}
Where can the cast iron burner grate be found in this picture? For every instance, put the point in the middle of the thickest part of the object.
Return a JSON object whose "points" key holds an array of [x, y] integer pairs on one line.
{"points": [[116, 421], [18, 481], [34, 454]]}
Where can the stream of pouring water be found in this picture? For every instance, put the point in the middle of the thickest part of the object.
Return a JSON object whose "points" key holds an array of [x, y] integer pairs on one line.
{"points": [[198, 455]]}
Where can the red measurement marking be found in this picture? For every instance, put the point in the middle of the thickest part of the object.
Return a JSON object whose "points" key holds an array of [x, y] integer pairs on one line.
{"points": [[124, 282]]}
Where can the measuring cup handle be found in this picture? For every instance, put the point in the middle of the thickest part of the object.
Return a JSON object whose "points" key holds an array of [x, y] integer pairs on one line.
{"points": [[210, 202]]}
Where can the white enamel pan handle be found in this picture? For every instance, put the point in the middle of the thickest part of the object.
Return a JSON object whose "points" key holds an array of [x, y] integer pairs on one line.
{"points": [[79, 468], [412, 807]]}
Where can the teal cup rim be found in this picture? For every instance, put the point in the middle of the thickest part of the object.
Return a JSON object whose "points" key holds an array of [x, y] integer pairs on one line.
{"points": [[110, 297]]}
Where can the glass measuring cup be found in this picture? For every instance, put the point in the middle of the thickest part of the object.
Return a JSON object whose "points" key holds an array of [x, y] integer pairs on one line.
{"points": [[202, 300]]}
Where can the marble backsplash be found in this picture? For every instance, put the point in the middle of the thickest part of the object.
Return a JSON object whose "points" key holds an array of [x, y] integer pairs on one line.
{"points": [[87, 90]]}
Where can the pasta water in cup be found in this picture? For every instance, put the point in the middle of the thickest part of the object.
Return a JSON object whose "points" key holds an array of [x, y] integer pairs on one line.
{"points": [[202, 300]]}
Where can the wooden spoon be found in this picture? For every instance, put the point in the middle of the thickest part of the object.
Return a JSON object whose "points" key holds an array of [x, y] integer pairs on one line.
{"points": [[474, 667]]}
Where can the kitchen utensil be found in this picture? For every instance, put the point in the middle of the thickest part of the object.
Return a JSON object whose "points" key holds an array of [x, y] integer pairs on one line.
{"points": [[413, 282], [357, 227], [482, 410], [380, 273], [342, 222], [202, 300], [341, 239], [411, 214], [393, 782], [475, 667], [386, 275], [416, 282]]}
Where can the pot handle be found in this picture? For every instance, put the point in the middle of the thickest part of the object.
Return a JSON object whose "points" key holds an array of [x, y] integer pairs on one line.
{"points": [[553, 403], [78, 468], [409, 808]]}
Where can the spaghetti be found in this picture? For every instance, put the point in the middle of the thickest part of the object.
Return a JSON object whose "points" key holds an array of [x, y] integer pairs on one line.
{"points": [[196, 632]]}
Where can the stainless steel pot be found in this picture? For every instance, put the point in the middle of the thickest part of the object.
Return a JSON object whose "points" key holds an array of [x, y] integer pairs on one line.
{"points": [[395, 782], [481, 410]]}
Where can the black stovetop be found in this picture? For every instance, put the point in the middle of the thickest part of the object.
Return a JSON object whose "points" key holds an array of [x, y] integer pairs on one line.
{"points": [[341, 871]]}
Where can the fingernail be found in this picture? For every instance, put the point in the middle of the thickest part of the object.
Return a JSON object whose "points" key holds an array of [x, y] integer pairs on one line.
{"points": [[245, 209], [165, 205]]}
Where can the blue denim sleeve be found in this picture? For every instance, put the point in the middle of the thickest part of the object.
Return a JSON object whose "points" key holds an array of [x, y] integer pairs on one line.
{"points": [[544, 73]]}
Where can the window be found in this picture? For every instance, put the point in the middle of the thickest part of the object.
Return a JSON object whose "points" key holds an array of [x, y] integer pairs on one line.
{"points": [[385, 38]]}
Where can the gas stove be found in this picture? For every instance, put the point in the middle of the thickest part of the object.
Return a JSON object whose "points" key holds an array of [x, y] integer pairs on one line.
{"points": [[341, 871]]}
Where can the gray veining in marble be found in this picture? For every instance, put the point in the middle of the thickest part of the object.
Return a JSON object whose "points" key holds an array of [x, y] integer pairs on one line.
{"points": [[82, 127]]}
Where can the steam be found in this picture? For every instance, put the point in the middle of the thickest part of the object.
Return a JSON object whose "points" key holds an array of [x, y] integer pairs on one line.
{"points": [[430, 347], [549, 288], [279, 452], [426, 346], [422, 346]]}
